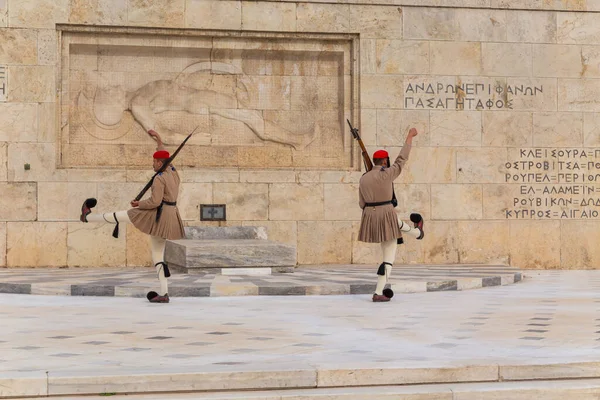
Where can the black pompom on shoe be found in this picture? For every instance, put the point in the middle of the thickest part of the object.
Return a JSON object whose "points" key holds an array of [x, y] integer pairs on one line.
{"points": [[417, 219], [86, 208], [389, 293], [151, 295]]}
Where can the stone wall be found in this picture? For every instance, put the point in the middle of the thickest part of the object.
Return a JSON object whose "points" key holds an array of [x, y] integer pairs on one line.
{"points": [[504, 94]]}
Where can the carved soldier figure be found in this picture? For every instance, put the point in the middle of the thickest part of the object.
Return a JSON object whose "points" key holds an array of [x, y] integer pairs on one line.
{"points": [[156, 216], [380, 222]]}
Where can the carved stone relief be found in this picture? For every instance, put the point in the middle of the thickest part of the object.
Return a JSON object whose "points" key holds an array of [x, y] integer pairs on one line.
{"points": [[287, 96]]}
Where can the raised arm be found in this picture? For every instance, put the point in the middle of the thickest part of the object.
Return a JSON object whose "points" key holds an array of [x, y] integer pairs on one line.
{"points": [[157, 138], [398, 165]]}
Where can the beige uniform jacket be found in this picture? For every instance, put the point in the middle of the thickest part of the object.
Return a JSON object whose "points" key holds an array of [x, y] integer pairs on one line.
{"points": [[169, 226], [379, 224]]}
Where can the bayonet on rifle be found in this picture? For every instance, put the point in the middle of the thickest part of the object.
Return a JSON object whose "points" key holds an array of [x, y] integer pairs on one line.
{"points": [[365, 155]]}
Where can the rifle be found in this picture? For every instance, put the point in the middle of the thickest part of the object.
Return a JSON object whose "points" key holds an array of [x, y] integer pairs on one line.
{"points": [[164, 166], [365, 154]]}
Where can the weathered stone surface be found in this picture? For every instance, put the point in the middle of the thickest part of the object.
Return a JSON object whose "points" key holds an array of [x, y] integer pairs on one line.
{"points": [[31, 83], [558, 129], [157, 13], [393, 126], [46, 47], [535, 244], [313, 17], [191, 195], [381, 91], [368, 126], [210, 175], [430, 23], [278, 231], [544, 5], [19, 46], [510, 129], [506, 59], [109, 12], [138, 252], [117, 196], [225, 232], [300, 202], [544, 99], [413, 198], [462, 201], [402, 57], [440, 165], [224, 253], [455, 128], [483, 242], [341, 202], [61, 201], [324, 242], [18, 122], [18, 201], [269, 16], [455, 58], [531, 27], [3, 162], [37, 13], [439, 247], [563, 61], [376, 22], [267, 176], [481, 165], [36, 244], [245, 201], [206, 14], [274, 96], [3, 13], [2, 244], [578, 248], [578, 28], [591, 130], [481, 25], [578, 95], [368, 56], [92, 245]]}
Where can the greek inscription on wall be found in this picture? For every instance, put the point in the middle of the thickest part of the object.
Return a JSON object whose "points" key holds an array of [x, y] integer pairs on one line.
{"points": [[554, 183], [3, 83], [476, 96]]}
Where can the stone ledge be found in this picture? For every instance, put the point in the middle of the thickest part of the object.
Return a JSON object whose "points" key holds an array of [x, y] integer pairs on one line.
{"points": [[472, 380]]}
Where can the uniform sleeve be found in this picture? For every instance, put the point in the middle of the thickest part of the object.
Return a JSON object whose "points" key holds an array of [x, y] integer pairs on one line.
{"points": [[398, 165], [156, 198]]}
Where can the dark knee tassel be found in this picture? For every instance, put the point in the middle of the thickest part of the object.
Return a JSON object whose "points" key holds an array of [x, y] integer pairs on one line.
{"points": [[381, 269], [116, 230]]}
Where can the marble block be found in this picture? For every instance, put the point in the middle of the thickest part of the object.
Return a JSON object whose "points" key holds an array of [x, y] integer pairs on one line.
{"points": [[225, 232], [188, 254]]}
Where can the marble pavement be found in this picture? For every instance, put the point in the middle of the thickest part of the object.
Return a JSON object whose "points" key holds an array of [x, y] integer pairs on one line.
{"points": [[546, 327]]}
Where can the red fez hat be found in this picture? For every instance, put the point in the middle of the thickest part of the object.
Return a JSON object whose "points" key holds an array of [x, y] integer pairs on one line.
{"points": [[380, 154], [161, 154]]}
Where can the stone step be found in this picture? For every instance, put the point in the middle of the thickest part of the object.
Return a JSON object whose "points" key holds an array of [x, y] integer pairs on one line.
{"points": [[225, 232], [587, 389], [188, 255], [281, 381]]}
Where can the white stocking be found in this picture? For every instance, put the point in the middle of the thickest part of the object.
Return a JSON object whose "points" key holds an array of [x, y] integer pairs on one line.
{"points": [[157, 245], [406, 229], [388, 249]]}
